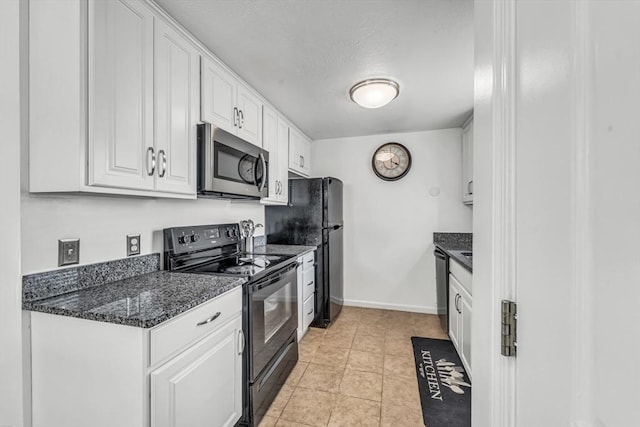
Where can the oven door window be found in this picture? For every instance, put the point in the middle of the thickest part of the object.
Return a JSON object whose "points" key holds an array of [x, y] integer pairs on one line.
{"points": [[277, 311], [234, 165]]}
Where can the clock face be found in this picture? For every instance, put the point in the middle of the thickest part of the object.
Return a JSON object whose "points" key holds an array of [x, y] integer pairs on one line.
{"points": [[391, 161]]}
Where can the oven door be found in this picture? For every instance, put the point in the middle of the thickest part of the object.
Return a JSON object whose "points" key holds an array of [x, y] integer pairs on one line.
{"points": [[230, 166], [273, 316]]}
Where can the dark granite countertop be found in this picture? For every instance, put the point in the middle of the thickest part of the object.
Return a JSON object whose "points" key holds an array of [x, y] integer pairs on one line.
{"points": [[142, 301], [296, 250], [454, 245]]}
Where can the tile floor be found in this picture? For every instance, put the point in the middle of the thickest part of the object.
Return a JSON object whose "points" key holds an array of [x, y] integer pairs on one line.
{"points": [[359, 372]]}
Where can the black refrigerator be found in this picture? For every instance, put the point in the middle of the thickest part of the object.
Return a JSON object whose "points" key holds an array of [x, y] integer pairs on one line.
{"points": [[314, 217]]}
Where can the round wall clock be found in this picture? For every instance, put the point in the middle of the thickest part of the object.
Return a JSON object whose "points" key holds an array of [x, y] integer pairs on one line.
{"points": [[391, 161]]}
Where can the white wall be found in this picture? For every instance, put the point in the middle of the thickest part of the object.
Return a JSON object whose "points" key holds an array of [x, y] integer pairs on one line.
{"points": [[102, 223], [10, 296], [388, 249]]}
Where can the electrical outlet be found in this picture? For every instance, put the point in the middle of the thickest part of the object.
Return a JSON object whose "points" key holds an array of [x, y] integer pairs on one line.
{"points": [[133, 244], [68, 251]]}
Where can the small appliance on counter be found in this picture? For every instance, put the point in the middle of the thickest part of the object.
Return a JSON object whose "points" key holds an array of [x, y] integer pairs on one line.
{"points": [[270, 305], [314, 217], [230, 167]]}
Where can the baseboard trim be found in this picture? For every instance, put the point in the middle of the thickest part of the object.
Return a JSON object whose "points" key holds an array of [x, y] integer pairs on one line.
{"points": [[396, 307]]}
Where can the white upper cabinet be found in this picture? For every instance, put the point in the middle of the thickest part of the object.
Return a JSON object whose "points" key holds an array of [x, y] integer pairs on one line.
{"points": [[228, 104], [249, 116], [218, 98], [177, 79], [126, 125], [467, 162], [283, 160], [275, 139], [299, 153], [120, 94]]}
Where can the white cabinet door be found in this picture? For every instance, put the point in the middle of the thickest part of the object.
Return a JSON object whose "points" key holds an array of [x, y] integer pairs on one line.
{"points": [[467, 163], [176, 105], [305, 150], [270, 143], [299, 153], [454, 316], [120, 104], [465, 330], [201, 387], [218, 96], [250, 116], [283, 160]]}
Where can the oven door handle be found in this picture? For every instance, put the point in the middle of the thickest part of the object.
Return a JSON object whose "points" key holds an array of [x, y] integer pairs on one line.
{"points": [[276, 277], [283, 354]]}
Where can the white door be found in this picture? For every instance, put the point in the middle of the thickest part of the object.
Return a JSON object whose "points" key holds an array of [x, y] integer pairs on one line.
{"points": [[218, 96], [250, 116], [120, 103], [177, 104], [556, 211], [201, 387], [270, 143]]}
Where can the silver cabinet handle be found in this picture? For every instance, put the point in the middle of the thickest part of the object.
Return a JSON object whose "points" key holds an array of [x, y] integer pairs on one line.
{"points": [[279, 187], [470, 187], [456, 303], [301, 162], [241, 341], [241, 119], [302, 157], [235, 116], [164, 163], [209, 320], [310, 283], [310, 313], [152, 170], [310, 261]]}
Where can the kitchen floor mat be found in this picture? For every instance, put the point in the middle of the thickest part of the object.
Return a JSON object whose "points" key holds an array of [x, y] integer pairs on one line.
{"points": [[445, 388]]}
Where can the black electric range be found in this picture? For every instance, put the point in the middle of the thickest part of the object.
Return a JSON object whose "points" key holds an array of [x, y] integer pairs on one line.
{"points": [[270, 311]]}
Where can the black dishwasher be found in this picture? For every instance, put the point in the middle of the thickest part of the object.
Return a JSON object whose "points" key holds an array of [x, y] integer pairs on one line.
{"points": [[442, 287]]}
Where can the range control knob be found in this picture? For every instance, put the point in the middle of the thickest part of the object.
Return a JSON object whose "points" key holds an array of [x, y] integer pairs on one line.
{"points": [[195, 238], [183, 240], [229, 232]]}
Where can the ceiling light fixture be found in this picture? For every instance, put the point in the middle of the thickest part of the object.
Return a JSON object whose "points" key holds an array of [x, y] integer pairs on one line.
{"points": [[374, 93]]}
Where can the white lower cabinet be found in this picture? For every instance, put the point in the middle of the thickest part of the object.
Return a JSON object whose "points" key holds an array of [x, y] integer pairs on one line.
{"points": [[201, 387], [306, 292], [185, 372], [460, 308]]}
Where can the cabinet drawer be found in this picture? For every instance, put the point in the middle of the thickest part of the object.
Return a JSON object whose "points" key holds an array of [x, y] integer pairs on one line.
{"points": [[308, 311], [462, 274], [176, 334], [308, 260], [308, 283]]}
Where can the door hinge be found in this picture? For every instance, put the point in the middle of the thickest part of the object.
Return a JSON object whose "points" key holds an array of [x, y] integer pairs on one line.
{"points": [[509, 328]]}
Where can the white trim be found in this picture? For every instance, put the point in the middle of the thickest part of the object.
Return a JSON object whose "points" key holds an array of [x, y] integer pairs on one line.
{"points": [[503, 248], [582, 283], [396, 307]]}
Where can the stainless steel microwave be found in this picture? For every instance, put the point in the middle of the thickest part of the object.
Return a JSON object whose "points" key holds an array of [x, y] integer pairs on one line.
{"points": [[230, 167]]}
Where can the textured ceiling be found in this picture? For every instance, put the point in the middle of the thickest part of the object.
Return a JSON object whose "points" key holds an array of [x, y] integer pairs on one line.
{"points": [[304, 55]]}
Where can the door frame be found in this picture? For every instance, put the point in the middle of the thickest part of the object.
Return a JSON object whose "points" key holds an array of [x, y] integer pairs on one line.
{"points": [[495, 216]]}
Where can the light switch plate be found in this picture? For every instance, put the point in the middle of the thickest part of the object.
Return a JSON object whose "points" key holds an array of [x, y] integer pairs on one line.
{"points": [[68, 251], [133, 244]]}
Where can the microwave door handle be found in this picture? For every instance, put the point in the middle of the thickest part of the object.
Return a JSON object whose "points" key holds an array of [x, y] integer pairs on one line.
{"points": [[264, 172]]}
